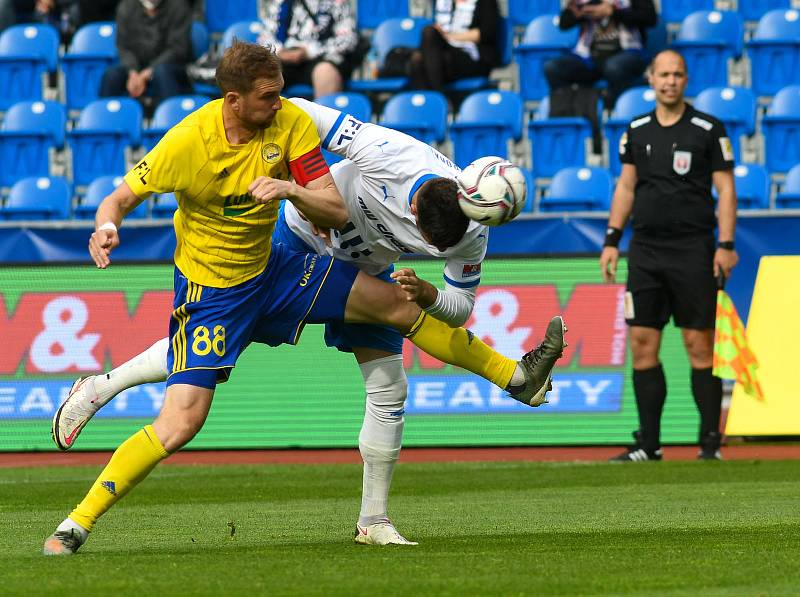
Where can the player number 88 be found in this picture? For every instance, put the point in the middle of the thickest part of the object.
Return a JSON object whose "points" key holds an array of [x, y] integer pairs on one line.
{"points": [[203, 343]]}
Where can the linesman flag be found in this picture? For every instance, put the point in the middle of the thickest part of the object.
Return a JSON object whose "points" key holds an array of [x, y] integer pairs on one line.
{"points": [[733, 358]]}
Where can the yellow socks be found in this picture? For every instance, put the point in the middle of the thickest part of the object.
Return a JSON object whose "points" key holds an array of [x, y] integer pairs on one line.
{"points": [[131, 463], [460, 347]]}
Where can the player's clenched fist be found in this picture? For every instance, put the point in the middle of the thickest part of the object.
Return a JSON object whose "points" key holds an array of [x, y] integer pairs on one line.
{"points": [[264, 189], [101, 243]]}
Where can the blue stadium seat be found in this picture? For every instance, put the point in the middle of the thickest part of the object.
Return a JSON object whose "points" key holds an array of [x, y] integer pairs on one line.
{"points": [[579, 189], [753, 10], [504, 45], [30, 130], [98, 141], [774, 52], [657, 39], [169, 113], [200, 41], [530, 189], [164, 206], [38, 198], [752, 186], [789, 197], [221, 14], [370, 14], [781, 130], [391, 33], [735, 107], [674, 11], [707, 39], [93, 49], [355, 104], [27, 52], [542, 41], [556, 143], [632, 103], [522, 12], [421, 114], [486, 122], [98, 190], [243, 31]]}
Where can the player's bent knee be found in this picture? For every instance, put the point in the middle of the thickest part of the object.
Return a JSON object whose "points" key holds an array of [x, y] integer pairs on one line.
{"points": [[387, 386]]}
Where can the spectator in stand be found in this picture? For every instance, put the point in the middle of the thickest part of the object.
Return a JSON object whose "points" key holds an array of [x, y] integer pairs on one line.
{"points": [[153, 38], [98, 10], [316, 41], [461, 43], [610, 46], [64, 15]]}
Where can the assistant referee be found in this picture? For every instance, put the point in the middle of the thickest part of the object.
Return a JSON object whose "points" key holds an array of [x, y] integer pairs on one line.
{"points": [[670, 158]]}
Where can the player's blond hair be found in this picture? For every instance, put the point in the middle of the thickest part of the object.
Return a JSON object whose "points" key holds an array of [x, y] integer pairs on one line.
{"points": [[243, 63]]}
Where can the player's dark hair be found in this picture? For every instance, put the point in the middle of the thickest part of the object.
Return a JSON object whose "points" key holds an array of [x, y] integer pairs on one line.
{"points": [[243, 63], [439, 216]]}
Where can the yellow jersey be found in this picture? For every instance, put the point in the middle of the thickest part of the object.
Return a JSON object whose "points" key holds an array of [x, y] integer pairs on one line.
{"points": [[224, 236]]}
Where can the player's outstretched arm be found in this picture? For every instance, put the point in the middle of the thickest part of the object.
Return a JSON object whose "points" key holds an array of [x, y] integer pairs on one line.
{"points": [[107, 221], [319, 200], [452, 305]]}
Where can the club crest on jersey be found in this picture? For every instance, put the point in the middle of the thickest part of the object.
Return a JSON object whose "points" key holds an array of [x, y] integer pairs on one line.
{"points": [[271, 153], [470, 271], [682, 162]]}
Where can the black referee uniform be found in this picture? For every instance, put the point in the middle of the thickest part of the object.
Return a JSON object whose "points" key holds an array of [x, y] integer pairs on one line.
{"points": [[671, 254]]}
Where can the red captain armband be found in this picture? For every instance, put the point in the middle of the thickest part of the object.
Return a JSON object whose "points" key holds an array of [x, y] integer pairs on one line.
{"points": [[308, 167]]}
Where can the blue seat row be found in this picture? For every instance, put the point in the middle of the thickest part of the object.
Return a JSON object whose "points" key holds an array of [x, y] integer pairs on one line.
{"points": [[51, 198], [572, 189]]}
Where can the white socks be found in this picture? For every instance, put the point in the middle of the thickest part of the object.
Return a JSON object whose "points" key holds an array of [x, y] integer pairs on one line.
{"points": [[146, 367], [381, 434]]}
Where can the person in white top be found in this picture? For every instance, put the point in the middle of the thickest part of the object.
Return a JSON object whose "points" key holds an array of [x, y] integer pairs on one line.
{"points": [[401, 198]]}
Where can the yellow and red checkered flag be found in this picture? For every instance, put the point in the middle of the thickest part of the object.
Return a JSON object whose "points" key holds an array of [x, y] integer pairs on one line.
{"points": [[733, 358]]}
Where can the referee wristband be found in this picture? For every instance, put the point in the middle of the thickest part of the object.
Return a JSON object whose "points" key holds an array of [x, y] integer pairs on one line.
{"points": [[108, 226], [613, 235], [726, 244]]}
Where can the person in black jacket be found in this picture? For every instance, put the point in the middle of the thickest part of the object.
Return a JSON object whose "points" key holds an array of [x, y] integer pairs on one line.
{"points": [[610, 45], [154, 42], [461, 43], [670, 159]]}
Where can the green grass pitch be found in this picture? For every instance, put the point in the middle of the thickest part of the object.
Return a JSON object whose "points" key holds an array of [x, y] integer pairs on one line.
{"points": [[670, 528]]}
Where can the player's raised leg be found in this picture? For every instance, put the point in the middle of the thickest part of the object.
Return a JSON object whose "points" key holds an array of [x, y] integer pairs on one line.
{"points": [[528, 380], [379, 443], [89, 394]]}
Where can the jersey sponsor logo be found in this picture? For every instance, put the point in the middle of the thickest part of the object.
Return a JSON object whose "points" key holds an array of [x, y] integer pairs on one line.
{"points": [[703, 124], [389, 235], [623, 142], [682, 162], [727, 148], [471, 270], [367, 212], [639, 122], [238, 205], [271, 153], [141, 170]]}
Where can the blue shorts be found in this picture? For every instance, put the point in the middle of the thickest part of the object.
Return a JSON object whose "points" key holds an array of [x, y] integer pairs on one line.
{"points": [[338, 334], [210, 327]]}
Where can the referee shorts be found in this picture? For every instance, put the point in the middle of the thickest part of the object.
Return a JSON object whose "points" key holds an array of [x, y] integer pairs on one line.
{"points": [[671, 277]]}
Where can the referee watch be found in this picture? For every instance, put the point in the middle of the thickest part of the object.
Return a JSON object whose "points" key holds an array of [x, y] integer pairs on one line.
{"points": [[726, 244]]}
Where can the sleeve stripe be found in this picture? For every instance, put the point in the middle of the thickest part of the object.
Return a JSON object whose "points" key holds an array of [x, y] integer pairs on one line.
{"points": [[469, 284], [334, 128]]}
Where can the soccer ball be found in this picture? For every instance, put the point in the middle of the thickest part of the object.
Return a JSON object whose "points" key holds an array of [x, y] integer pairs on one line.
{"points": [[491, 191]]}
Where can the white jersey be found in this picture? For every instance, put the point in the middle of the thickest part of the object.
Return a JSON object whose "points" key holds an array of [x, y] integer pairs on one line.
{"points": [[383, 170]]}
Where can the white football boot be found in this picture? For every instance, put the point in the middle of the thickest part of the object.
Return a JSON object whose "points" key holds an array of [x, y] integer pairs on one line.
{"points": [[381, 533], [79, 407]]}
